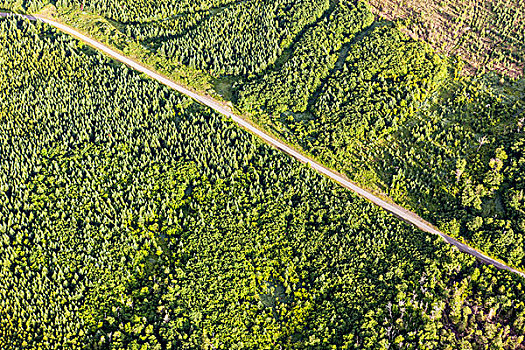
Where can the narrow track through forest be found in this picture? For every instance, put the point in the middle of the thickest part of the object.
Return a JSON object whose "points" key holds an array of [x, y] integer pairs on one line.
{"points": [[398, 211]]}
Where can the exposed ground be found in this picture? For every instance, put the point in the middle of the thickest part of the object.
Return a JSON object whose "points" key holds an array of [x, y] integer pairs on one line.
{"points": [[487, 34]]}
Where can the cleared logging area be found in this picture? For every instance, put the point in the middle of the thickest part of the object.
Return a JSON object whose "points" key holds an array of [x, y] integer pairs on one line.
{"points": [[488, 35]]}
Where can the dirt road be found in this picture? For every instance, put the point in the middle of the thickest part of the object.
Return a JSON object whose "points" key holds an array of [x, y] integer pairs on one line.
{"points": [[398, 211]]}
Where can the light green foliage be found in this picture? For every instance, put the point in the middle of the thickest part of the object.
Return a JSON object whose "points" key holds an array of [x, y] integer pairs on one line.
{"points": [[362, 100], [244, 38], [132, 218], [463, 159], [396, 118], [290, 84]]}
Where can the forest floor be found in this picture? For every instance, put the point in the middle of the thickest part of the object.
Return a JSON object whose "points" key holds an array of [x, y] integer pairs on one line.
{"points": [[222, 108]]}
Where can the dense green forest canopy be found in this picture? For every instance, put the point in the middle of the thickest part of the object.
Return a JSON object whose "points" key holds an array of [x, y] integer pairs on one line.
{"points": [[358, 94], [131, 217], [398, 118]]}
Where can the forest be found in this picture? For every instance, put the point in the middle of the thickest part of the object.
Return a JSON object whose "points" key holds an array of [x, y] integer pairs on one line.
{"points": [[390, 112], [400, 119], [134, 218], [289, 85]]}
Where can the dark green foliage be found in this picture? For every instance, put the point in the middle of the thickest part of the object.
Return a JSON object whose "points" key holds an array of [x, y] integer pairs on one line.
{"points": [[360, 96], [396, 119], [461, 163], [244, 38], [132, 218], [291, 84]]}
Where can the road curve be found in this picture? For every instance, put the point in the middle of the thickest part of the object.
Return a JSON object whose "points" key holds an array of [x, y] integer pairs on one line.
{"points": [[397, 210]]}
